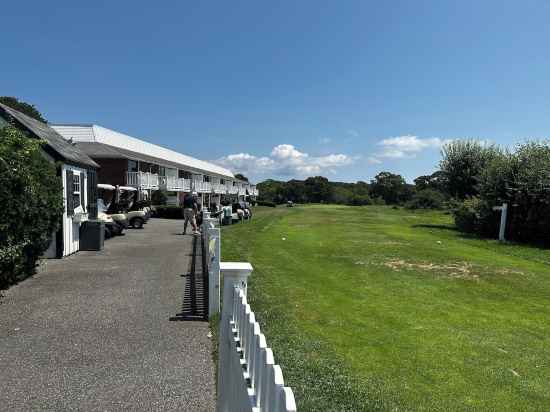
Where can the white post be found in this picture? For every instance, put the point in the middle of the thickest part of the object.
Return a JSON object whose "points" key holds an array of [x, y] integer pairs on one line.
{"points": [[235, 274], [503, 215], [213, 248]]}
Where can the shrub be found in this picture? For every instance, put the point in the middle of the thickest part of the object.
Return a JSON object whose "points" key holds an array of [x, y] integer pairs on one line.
{"points": [[378, 201], [426, 199], [475, 215], [359, 200], [32, 204], [169, 212], [265, 203], [159, 197]]}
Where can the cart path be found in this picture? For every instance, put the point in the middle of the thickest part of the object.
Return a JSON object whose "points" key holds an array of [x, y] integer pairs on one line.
{"points": [[92, 331]]}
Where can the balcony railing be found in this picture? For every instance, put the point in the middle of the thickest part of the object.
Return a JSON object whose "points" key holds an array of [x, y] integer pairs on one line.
{"points": [[174, 184], [202, 187], [142, 180], [219, 188]]}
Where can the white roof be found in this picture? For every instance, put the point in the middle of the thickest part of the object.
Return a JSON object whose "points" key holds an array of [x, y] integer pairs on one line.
{"points": [[99, 134]]}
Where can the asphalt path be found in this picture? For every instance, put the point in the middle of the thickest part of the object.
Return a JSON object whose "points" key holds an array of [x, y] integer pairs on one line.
{"points": [[92, 331]]}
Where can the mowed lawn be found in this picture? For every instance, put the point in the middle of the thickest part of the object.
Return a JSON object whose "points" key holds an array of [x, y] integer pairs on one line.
{"points": [[371, 308]]}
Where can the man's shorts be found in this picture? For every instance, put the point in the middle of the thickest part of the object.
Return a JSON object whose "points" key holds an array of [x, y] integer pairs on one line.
{"points": [[189, 215]]}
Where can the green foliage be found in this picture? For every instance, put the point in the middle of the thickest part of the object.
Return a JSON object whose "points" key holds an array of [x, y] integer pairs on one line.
{"points": [[436, 181], [22, 107], [318, 189], [32, 204], [240, 176], [426, 199], [463, 163], [314, 190], [522, 180], [169, 212], [390, 187], [159, 197]]}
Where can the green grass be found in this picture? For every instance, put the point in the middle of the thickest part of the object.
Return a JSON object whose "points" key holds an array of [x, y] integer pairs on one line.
{"points": [[371, 308]]}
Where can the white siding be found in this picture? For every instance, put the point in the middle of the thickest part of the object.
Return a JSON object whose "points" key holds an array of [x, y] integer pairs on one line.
{"points": [[71, 229]]}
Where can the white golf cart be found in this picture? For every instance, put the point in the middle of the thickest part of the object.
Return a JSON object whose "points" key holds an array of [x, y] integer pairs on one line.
{"points": [[106, 205], [127, 200]]}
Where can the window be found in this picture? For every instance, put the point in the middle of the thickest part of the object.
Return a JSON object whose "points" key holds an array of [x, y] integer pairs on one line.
{"points": [[222, 181], [132, 166], [76, 190], [183, 174], [207, 178]]}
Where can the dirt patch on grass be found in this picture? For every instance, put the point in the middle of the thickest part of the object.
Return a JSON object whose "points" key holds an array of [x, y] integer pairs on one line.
{"points": [[458, 270]]}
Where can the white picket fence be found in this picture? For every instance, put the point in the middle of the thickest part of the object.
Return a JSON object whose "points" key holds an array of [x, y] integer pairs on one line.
{"points": [[248, 378]]}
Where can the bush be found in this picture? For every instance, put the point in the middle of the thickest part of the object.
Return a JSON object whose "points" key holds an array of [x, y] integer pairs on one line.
{"points": [[378, 201], [159, 197], [32, 204], [426, 199], [169, 212], [475, 215], [265, 203], [359, 200], [522, 180]]}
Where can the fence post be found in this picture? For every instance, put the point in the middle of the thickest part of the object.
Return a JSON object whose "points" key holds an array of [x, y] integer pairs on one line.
{"points": [[213, 248], [235, 275]]}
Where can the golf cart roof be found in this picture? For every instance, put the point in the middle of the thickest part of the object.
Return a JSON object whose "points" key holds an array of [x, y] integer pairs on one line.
{"points": [[128, 188], [105, 186]]}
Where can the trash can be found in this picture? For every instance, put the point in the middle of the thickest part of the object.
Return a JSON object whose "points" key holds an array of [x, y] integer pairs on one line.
{"points": [[92, 235]]}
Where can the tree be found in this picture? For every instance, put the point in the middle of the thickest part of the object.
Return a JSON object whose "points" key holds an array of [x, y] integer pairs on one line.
{"points": [[436, 181], [318, 189], [390, 187], [426, 199], [22, 107], [32, 204], [240, 176], [463, 163]]}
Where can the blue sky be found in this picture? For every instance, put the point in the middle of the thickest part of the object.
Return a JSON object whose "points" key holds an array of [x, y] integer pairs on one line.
{"points": [[287, 89]]}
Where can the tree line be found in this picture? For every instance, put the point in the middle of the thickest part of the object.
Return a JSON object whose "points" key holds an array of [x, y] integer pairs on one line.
{"points": [[472, 179]]}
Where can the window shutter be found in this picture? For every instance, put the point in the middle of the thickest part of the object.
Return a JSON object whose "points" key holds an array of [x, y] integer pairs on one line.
{"points": [[70, 190], [82, 191], [92, 194]]}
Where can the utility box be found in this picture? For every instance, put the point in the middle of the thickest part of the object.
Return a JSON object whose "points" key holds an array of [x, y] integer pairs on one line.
{"points": [[92, 235]]}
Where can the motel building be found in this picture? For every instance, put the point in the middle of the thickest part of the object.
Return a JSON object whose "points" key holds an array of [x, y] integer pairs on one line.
{"points": [[126, 160]]}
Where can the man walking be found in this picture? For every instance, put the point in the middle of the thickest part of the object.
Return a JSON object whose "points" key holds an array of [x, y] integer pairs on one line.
{"points": [[189, 210]]}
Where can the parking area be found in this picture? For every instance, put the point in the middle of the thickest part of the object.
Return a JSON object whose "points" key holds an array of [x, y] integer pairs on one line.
{"points": [[93, 331]]}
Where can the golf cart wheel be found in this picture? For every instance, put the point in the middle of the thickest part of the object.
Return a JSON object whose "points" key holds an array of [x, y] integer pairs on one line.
{"points": [[137, 223]]}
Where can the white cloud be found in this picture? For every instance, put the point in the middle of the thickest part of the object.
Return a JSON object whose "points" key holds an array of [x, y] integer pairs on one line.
{"points": [[353, 133], [407, 146], [373, 160], [325, 140], [284, 161]]}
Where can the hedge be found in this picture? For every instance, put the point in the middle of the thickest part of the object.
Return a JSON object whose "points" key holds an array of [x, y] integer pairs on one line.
{"points": [[169, 212], [32, 204]]}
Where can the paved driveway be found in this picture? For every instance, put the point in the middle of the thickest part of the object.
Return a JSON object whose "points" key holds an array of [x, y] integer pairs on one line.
{"points": [[92, 331]]}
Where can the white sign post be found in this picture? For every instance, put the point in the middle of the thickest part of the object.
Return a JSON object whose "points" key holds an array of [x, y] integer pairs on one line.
{"points": [[503, 214]]}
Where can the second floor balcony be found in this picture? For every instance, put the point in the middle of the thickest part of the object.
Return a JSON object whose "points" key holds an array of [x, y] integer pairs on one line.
{"points": [[142, 180], [175, 184]]}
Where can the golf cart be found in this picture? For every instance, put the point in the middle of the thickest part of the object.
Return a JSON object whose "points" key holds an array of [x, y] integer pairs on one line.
{"points": [[112, 228], [127, 200], [106, 204]]}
